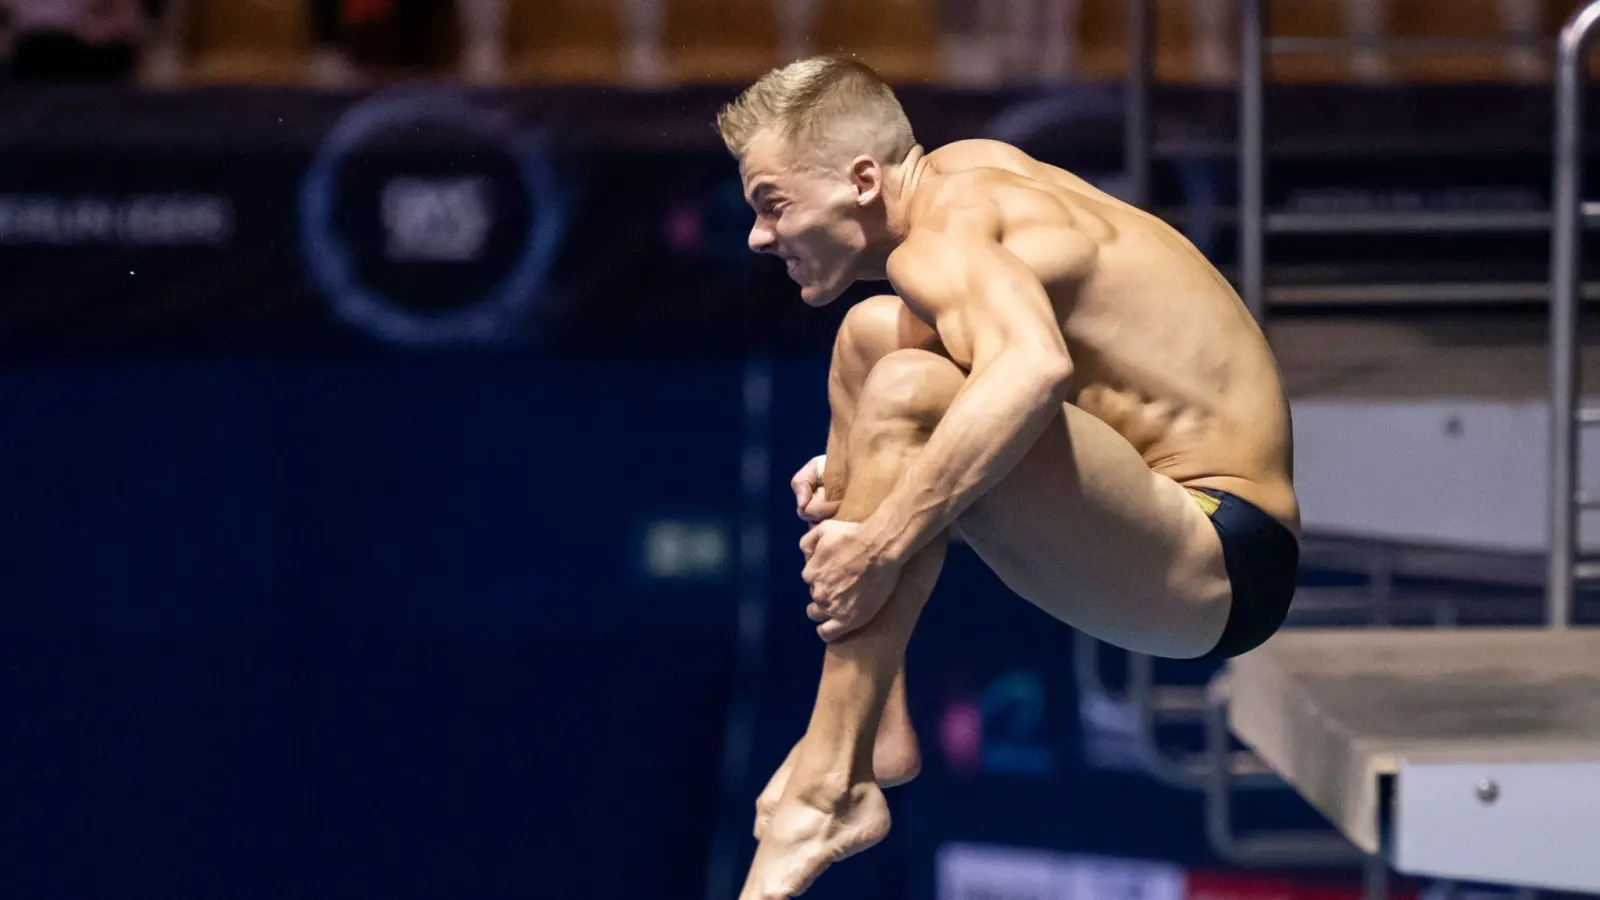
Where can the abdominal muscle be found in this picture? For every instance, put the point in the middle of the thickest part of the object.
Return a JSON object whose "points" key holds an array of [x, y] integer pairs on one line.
{"points": [[1196, 449]]}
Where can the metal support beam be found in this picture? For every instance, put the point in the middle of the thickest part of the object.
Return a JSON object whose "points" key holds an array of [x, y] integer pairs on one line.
{"points": [[1136, 121], [1252, 158], [1566, 253]]}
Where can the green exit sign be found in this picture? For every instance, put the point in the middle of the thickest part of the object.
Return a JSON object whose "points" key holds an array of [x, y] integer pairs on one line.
{"points": [[687, 549]]}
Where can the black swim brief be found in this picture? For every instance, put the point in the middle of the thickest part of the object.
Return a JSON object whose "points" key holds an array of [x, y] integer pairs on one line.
{"points": [[1263, 562]]}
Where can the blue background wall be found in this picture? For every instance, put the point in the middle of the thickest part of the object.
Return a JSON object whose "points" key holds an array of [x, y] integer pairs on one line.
{"points": [[360, 630], [388, 628]]}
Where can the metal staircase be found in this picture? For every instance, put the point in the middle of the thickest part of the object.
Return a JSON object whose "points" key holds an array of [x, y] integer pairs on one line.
{"points": [[1257, 223], [1221, 769]]}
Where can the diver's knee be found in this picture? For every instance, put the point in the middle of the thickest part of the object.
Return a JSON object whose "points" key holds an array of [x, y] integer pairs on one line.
{"points": [[875, 320], [910, 386], [869, 332]]}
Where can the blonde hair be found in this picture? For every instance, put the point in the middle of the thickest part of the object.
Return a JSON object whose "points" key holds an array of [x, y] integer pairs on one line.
{"points": [[821, 103]]}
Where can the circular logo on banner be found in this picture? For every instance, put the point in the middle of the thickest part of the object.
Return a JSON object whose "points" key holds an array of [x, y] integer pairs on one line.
{"points": [[427, 220]]}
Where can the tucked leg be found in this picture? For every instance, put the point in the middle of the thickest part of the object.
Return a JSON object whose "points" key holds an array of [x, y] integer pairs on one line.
{"points": [[831, 807]]}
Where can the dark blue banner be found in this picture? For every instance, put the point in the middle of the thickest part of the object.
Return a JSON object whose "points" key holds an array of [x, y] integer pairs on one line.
{"points": [[613, 221], [420, 631]]}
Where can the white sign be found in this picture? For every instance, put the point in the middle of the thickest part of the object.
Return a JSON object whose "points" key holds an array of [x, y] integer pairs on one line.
{"points": [[437, 219]]}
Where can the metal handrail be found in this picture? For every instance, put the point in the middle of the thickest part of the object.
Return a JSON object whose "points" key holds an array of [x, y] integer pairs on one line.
{"points": [[1566, 251], [1286, 849], [1458, 293], [1136, 124], [1179, 705], [1418, 46], [1402, 221], [1252, 158]]}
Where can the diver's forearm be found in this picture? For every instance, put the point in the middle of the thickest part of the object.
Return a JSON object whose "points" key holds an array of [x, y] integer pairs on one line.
{"points": [[993, 422]]}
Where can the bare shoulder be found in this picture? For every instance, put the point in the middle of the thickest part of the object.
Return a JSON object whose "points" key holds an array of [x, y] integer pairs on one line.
{"points": [[982, 153], [982, 201], [986, 217], [972, 227], [997, 156], [963, 202], [948, 228]]}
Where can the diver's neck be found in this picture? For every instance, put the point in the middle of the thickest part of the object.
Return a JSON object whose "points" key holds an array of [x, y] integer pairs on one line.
{"points": [[902, 186]]}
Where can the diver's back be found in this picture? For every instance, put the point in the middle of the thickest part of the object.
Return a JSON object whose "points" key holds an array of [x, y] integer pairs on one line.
{"points": [[1139, 254], [1166, 352]]}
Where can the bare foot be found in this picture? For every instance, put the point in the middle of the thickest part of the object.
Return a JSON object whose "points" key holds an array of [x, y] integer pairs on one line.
{"points": [[896, 760], [804, 838]]}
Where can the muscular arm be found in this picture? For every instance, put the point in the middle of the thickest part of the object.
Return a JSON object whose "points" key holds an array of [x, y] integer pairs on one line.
{"points": [[959, 271]]}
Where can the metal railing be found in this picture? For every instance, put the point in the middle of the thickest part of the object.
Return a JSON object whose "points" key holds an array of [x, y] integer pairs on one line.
{"points": [[1221, 770], [1566, 257], [1252, 158], [1256, 224]]}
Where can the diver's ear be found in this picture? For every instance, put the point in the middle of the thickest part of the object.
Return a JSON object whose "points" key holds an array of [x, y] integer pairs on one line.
{"points": [[867, 178]]}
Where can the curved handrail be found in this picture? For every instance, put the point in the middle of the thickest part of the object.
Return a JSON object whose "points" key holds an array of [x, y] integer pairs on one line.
{"points": [[1566, 252]]}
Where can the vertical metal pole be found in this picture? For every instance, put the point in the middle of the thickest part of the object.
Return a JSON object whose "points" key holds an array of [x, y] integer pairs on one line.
{"points": [[1288, 848], [1565, 258], [1136, 122], [1375, 878], [1252, 158]]}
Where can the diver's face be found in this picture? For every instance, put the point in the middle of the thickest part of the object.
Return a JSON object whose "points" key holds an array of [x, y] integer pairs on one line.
{"points": [[807, 215]]}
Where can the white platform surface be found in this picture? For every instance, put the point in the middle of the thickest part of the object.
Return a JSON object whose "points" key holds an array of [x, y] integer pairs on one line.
{"points": [[1333, 711]]}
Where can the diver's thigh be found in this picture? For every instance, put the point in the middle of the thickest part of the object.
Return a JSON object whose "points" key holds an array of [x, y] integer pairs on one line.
{"points": [[1083, 529]]}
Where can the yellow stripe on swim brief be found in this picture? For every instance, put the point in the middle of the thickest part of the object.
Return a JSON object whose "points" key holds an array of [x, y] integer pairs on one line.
{"points": [[1208, 503]]}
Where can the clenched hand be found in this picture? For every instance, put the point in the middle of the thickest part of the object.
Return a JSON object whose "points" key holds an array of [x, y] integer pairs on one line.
{"points": [[849, 581]]}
